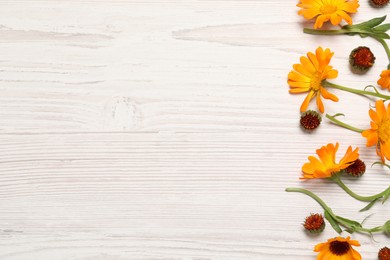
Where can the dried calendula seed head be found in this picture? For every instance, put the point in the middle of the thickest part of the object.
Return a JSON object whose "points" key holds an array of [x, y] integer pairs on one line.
{"points": [[356, 169], [379, 3], [384, 254], [310, 120], [361, 59], [314, 223]]}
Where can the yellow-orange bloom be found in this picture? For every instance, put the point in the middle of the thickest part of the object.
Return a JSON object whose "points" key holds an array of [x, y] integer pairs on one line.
{"points": [[384, 80], [338, 248], [379, 133], [326, 165], [308, 76], [325, 10]]}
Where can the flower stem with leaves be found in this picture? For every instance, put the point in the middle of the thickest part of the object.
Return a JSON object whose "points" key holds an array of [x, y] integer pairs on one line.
{"points": [[372, 28], [384, 195], [337, 221]]}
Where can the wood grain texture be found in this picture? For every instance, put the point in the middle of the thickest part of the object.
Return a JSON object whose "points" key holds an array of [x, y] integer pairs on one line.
{"points": [[164, 130]]}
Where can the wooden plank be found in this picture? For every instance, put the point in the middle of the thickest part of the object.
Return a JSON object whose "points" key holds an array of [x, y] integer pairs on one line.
{"points": [[164, 130]]}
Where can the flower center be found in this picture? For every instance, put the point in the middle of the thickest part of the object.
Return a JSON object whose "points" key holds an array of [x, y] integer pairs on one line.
{"points": [[384, 131], [328, 9], [339, 247], [315, 82]]}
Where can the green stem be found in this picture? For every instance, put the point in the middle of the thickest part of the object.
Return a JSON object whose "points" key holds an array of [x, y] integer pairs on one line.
{"points": [[337, 180], [385, 46], [324, 32], [355, 91], [351, 32], [342, 124], [315, 197], [336, 218]]}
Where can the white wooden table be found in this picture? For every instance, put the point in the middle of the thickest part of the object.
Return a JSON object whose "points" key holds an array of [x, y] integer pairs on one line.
{"points": [[163, 129]]}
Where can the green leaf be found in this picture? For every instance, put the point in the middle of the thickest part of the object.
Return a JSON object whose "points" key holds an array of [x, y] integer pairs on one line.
{"points": [[363, 35], [338, 114], [350, 222], [382, 35], [369, 205], [332, 222], [370, 23], [386, 196], [382, 28]]}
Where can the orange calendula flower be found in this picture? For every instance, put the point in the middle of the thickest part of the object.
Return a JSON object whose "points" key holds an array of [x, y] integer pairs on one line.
{"points": [[326, 165], [338, 248], [325, 10], [379, 133], [308, 75], [384, 80]]}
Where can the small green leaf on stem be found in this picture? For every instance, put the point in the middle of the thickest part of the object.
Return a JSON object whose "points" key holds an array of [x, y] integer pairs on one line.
{"points": [[369, 205], [332, 222], [368, 24], [382, 28]]}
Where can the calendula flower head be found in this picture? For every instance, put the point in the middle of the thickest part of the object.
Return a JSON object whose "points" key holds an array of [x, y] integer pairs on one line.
{"points": [[338, 248], [379, 133], [361, 59], [384, 253], [308, 76], [384, 80], [326, 165], [310, 120], [356, 169], [325, 10], [314, 223]]}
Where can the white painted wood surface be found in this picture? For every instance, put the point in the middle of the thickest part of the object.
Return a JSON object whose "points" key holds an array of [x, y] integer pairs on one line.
{"points": [[164, 130]]}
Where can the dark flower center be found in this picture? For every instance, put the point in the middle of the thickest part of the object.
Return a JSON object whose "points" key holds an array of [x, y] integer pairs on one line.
{"points": [[310, 120], [356, 169], [339, 247]]}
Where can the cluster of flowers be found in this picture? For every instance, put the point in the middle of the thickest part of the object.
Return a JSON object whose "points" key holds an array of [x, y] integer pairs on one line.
{"points": [[311, 76]]}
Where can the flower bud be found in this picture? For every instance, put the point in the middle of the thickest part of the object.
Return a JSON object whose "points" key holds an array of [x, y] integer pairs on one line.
{"points": [[361, 59], [384, 254], [314, 223], [379, 3], [310, 120]]}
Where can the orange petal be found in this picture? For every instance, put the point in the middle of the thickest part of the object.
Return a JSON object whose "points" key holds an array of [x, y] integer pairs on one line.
{"points": [[371, 136], [327, 95], [320, 105], [380, 109], [305, 103]]}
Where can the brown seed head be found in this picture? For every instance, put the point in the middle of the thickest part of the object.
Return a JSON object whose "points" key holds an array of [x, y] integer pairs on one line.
{"points": [[361, 59], [356, 169], [310, 120], [379, 3], [314, 223], [384, 254]]}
